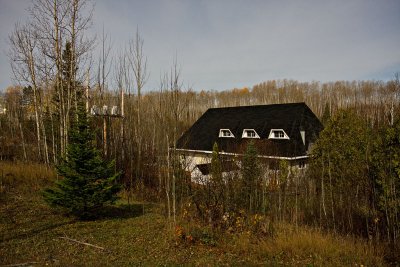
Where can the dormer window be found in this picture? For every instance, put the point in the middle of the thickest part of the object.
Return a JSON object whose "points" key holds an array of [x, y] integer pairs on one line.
{"points": [[250, 133], [278, 134], [225, 133]]}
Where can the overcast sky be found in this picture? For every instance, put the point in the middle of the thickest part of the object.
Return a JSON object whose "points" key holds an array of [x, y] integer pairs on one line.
{"points": [[226, 44]]}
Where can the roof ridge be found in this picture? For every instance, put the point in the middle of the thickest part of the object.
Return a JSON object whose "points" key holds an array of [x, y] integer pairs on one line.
{"points": [[265, 105]]}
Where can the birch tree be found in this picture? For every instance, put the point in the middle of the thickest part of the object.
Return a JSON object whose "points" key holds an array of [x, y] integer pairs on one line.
{"points": [[24, 57], [58, 23], [138, 63]]}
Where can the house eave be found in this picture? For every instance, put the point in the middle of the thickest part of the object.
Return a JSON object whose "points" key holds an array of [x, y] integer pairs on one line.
{"points": [[237, 154]]}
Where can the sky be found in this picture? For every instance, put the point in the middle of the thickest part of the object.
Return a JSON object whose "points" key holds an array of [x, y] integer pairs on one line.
{"points": [[225, 44]]}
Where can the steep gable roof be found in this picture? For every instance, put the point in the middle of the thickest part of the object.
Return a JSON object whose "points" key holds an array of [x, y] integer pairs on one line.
{"points": [[292, 118]]}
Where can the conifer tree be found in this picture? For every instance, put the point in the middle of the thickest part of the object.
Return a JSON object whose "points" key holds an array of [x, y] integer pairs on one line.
{"points": [[251, 173], [216, 167], [88, 181], [215, 187]]}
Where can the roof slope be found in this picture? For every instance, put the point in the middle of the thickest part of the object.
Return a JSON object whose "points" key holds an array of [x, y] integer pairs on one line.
{"points": [[292, 118]]}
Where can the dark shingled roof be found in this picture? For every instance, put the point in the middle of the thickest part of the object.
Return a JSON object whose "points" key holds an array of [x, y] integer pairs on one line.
{"points": [[292, 118]]}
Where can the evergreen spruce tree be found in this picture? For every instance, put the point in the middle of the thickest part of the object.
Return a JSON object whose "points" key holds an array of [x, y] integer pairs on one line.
{"points": [[251, 173], [216, 167], [326, 115], [88, 181], [217, 187]]}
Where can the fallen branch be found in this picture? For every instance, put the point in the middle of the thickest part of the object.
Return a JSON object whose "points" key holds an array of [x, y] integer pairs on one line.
{"points": [[21, 264], [83, 243]]}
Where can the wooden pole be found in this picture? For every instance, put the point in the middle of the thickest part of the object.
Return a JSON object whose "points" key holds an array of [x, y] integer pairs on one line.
{"points": [[87, 90], [105, 134]]}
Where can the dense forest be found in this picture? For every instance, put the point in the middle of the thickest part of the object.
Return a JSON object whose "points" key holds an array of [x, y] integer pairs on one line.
{"points": [[352, 184]]}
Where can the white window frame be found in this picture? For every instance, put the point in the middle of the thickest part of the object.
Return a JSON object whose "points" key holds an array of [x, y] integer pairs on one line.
{"points": [[272, 134], [246, 131], [221, 133]]}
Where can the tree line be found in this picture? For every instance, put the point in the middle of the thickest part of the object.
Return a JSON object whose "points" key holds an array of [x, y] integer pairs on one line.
{"points": [[164, 113]]}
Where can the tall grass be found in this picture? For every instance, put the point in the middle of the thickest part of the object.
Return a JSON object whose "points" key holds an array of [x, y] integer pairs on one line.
{"points": [[28, 177], [305, 246]]}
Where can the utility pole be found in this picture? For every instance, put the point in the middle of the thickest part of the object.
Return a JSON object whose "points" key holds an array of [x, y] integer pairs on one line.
{"points": [[87, 91], [107, 115]]}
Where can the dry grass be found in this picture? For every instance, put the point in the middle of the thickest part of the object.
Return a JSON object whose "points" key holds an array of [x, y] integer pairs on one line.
{"points": [[306, 247], [30, 232], [24, 176]]}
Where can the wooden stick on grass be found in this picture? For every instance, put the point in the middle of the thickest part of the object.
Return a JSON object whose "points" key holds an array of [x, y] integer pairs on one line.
{"points": [[83, 243], [21, 264]]}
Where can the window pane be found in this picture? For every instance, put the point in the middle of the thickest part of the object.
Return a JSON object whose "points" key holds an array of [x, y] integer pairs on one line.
{"points": [[278, 134], [250, 133]]}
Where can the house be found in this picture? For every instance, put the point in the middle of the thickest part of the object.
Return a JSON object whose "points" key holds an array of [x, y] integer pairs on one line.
{"points": [[279, 132]]}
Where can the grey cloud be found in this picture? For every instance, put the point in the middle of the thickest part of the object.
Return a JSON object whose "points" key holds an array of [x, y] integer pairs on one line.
{"points": [[226, 44]]}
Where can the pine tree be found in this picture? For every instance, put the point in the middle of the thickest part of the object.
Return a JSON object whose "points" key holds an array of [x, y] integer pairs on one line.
{"points": [[326, 115], [216, 188], [251, 173], [216, 167], [88, 181]]}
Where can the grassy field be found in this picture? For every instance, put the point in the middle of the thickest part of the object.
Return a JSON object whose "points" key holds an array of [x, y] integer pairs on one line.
{"points": [[32, 233]]}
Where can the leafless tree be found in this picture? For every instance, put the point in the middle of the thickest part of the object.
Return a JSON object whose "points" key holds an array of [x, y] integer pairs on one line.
{"points": [[138, 64], [58, 23], [23, 56]]}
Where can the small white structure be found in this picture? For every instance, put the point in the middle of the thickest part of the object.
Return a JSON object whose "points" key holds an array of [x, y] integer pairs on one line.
{"points": [[114, 110], [94, 111], [105, 110]]}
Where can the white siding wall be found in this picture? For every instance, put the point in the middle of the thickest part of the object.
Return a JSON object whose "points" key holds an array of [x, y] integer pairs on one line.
{"points": [[190, 160]]}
